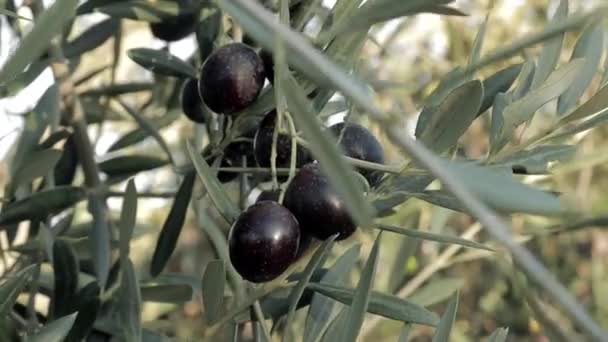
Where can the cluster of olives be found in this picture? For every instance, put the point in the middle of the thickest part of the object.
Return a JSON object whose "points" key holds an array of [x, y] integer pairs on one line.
{"points": [[269, 236]]}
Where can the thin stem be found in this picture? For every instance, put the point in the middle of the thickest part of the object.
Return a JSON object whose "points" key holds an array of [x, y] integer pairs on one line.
{"points": [[168, 194], [257, 310]]}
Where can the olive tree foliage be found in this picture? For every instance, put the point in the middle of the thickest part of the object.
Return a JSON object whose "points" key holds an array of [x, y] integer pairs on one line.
{"points": [[87, 271]]}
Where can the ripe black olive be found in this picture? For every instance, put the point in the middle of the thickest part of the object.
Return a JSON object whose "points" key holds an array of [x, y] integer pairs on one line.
{"points": [[357, 142], [231, 78], [233, 157], [178, 27], [317, 206], [262, 145], [273, 195], [263, 241], [192, 105]]}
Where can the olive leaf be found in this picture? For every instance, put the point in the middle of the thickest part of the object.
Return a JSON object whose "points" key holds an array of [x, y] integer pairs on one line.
{"points": [[161, 62], [41, 204], [444, 328], [213, 283], [48, 24], [172, 227]]}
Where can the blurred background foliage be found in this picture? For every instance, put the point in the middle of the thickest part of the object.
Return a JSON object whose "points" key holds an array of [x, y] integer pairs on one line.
{"points": [[403, 60]]}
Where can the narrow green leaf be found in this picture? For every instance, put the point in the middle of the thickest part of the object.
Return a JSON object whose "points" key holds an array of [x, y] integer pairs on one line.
{"points": [[92, 38], [161, 62], [592, 122], [99, 240], [149, 128], [361, 297], [122, 166], [172, 227], [448, 121], [498, 140], [551, 30], [41, 204], [552, 48], [34, 126], [66, 269], [440, 198], [452, 80], [150, 11], [327, 152], [380, 11], [214, 188], [12, 287], [139, 134], [37, 165], [499, 335], [586, 47], [322, 308], [419, 234], [447, 321], [399, 271], [335, 329], [13, 14], [523, 109], [214, 281], [208, 29], [478, 42], [538, 159], [524, 80], [173, 293], [119, 89], [88, 306], [130, 304], [55, 331], [382, 304], [59, 135], [298, 290], [404, 335], [436, 291], [128, 218], [23, 79], [90, 5], [502, 192], [597, 103], [35, 43]]}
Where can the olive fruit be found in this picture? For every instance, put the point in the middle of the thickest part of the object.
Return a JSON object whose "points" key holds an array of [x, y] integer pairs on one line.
{"points": [[317, 206], [192, 105], [273, 195], [262, 145], [233, 157], [177, 27], [359, 143], [231, 78], [263, 241]]}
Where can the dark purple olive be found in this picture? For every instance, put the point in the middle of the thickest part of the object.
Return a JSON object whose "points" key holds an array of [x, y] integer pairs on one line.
{"points": [[316, 205], [263, 241], [273, 195], [233, 157], [231, 78], [192, 105], [359, 143], [262, 145], [177, 27]]}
